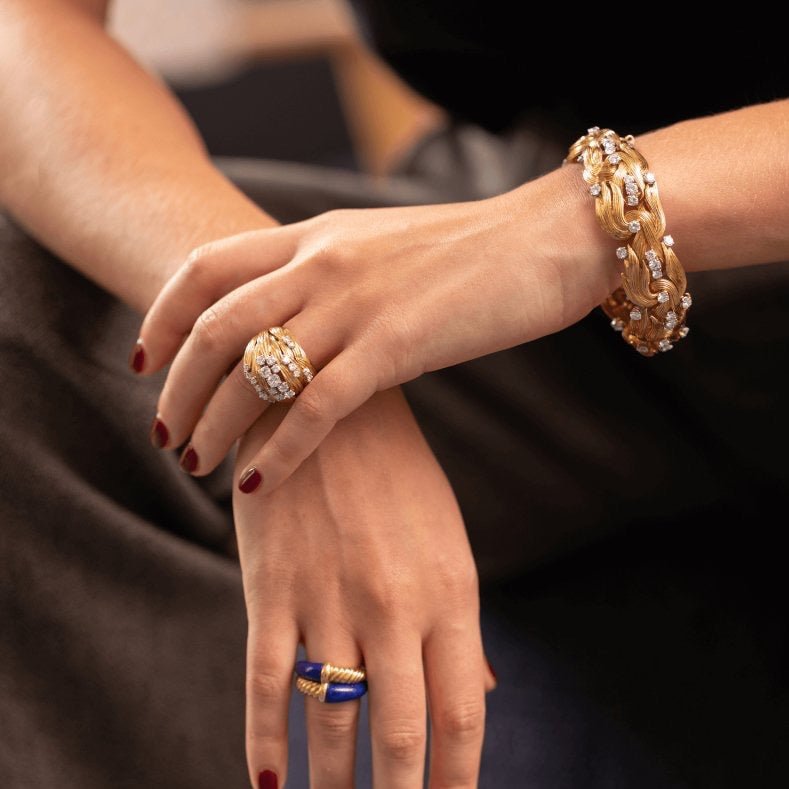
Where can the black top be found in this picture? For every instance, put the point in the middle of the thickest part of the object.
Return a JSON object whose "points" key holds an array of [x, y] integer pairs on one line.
{"points": [[475, 58]]}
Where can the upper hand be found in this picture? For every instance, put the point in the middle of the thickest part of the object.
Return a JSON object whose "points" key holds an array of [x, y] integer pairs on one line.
{"points": [[376, 297]]}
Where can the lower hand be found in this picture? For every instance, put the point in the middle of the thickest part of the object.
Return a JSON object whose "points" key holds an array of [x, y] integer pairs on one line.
{"points": [[376, 297], [362, 556]]}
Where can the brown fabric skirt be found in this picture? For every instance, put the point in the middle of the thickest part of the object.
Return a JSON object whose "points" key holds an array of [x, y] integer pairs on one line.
{"points": [[575, 461]]}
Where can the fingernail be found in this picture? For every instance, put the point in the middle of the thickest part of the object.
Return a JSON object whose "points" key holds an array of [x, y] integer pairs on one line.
{"points": [[250, 479], [267, 780], [189, 459], [490, 668], [137, 357], [159, 433]]}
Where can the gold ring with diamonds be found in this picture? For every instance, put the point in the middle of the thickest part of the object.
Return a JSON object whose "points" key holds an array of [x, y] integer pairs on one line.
{"points": [[276, 365]]}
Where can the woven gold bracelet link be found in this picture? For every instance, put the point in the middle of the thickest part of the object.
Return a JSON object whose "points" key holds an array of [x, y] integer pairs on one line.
{"points": [[650, 307]]}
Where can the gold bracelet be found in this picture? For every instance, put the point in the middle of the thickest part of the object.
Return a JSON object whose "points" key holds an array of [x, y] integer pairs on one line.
{"points": [[650, 307]]}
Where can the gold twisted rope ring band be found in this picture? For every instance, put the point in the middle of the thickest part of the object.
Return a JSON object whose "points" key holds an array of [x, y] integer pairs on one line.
{"points": [[330, 673], [331, 692], [276, 365], [317, 690]]}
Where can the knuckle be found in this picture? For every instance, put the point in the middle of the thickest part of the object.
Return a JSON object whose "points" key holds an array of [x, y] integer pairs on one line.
{"points": [[239, 378], [312, 405], [208, 330], [463, 722], [281, 451], [198, 262], [456, 577], [329, 257], [329, 220], [403, 742], [265, 686], [335, 727], [385, 602], [261, 739], [462, 580], [387, 597]]}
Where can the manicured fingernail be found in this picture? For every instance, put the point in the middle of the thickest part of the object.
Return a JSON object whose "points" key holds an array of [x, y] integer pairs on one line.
{"points": [[490, 668], [137, 357], [250, 479], [159, 433], [267, 780], [189, 459]]}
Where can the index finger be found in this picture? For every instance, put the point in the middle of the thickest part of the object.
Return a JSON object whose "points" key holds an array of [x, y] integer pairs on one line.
{"points": [[209, 272]]}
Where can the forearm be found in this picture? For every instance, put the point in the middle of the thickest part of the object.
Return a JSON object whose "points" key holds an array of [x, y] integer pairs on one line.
{"points": [[97, 159], [722, 180]]}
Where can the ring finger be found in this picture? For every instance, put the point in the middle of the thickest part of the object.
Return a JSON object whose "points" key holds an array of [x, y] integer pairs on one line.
{"points": [[235, 405], [217, 339], [331, 728]]}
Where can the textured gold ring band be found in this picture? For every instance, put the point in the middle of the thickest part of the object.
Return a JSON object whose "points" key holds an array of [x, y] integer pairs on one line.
{"points": [[330, 673], [331, 692], [276, 366], [651, 306], [317, 690]]}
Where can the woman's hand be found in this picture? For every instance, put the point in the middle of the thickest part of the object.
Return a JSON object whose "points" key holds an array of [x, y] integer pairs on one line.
{"points": [[362, 556], [376, 297]]}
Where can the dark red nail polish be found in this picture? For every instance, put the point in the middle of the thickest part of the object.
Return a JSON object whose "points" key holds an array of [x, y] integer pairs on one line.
{"points": [[159, 433], [267, 780], [490, 668], [250, 479], [137, 357], [189, 459]]}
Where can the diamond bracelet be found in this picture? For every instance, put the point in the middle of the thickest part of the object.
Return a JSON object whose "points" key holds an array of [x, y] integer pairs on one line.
{"points": [[650, 307]]}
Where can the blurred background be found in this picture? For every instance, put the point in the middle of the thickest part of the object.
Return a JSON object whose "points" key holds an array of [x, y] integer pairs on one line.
{"points": [[277, 79]]}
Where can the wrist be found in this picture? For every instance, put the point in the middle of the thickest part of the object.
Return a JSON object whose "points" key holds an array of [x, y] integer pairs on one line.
{"points": [[386, 413], [566, 235]]}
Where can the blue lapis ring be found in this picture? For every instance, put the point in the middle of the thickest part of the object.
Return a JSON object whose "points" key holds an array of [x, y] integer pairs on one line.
{"points": [[331, 692], [330, 684]]}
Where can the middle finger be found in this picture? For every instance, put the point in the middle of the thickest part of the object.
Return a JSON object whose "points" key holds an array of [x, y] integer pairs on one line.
{"points": [[398, 710]]}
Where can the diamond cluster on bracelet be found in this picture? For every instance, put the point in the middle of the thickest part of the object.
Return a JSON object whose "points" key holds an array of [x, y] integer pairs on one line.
{"points": [[650, 308]]}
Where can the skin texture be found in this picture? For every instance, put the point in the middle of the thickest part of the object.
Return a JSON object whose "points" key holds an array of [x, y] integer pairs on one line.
{"points": [[124, 202], [377, 297], [344, 598], [535, 257]]}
